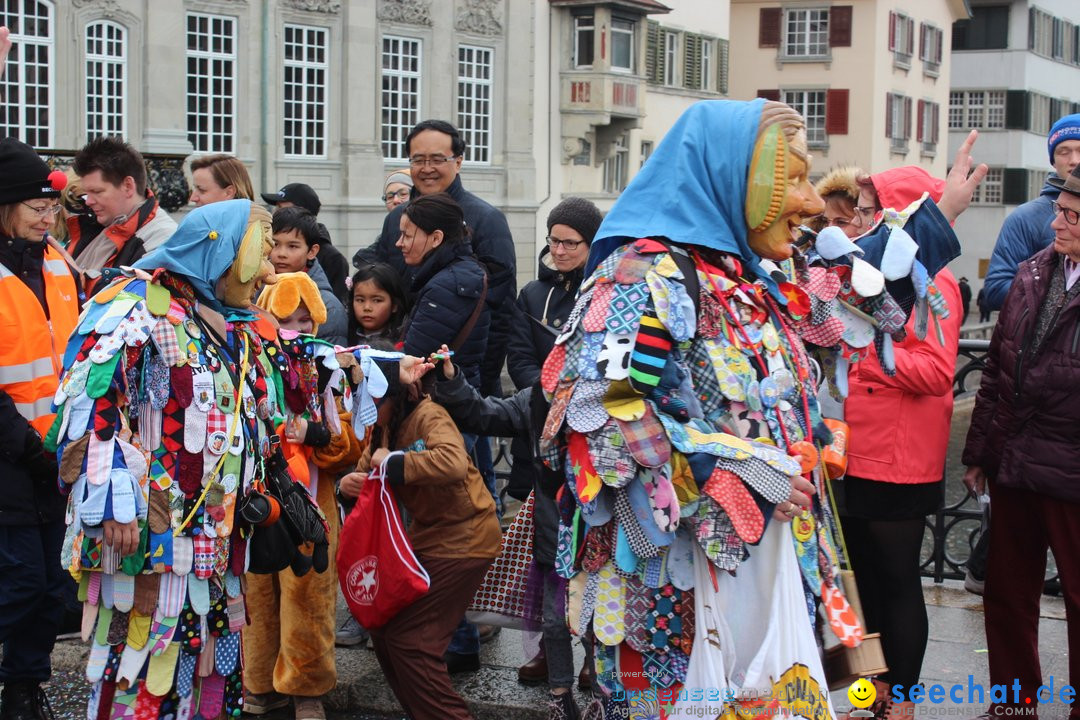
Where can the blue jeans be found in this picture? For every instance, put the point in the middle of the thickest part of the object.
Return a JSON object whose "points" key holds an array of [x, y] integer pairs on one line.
{"points": [[485, 463]]}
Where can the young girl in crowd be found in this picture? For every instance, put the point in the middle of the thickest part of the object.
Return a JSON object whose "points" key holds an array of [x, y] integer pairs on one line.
{"points": [[291, 649], [379, 304], [454, 533]]}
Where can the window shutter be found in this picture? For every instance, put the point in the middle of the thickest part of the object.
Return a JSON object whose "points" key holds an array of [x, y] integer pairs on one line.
{"points": [[936, 118], [769, 94], [840, 26], [692, 61], [1014, 184], [769, 27], [836, 112], [923, 54], [1031, 28], [652, 52], [1017, 107], [919, 123], [940, 36], [906, 109], [722, 79], [910, 36], [888, 115], [892, 31]]}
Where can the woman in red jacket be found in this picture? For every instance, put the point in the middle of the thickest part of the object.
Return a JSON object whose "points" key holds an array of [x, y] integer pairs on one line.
{"points": [[899, 433]]}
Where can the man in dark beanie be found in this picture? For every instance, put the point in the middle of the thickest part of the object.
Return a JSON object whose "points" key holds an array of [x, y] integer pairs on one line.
{"points": [[539, 316], [39, 300]]}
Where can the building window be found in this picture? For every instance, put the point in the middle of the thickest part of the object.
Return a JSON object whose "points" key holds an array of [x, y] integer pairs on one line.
{"points": [[811, 105], [306, 65], [617, 167], [1040, 119], [475, 69], [901, 39], [989, 191], [27, 82], [898, 121], [646, 151], [706, 46], [211, 82], [929, 118], [956, 110], [987, 29], [622, 44], [982, 109], [584, 34], [930, 43], [671, 47], [401, 64], [806, 33], [106, 79], [1040, 32]]}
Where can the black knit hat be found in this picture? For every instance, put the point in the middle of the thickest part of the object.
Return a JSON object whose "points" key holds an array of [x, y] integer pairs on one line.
{"points": [[578, 213], [24, 175]]}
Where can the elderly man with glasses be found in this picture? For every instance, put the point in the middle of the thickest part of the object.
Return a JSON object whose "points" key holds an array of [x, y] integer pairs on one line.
{"points": [[1024, 445]]}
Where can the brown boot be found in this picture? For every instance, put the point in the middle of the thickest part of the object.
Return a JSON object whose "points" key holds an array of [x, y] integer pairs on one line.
{"points": [[534, 672]]}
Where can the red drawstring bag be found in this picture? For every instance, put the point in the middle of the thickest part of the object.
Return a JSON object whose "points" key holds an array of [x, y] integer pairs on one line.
{"points": [[377, 569]]}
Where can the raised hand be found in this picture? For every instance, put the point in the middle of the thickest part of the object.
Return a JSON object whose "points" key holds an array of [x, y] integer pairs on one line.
{"points": [[961, 182]]}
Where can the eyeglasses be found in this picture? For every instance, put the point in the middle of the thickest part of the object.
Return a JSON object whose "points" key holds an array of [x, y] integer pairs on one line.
{"points": [[434, 161], [1071, 216], [867, 212], [44, 211], [568, 245], [403, 194], [835, 222]]}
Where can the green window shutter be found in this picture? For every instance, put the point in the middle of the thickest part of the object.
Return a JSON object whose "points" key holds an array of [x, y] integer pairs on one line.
{"points": [[722, 67], [654, 53], [1017, 109], [692, 61], [1014, 190]]}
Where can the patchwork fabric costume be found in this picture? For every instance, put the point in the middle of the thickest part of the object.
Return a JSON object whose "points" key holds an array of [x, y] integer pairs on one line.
{"points": [[683, 404], [164, 420]]}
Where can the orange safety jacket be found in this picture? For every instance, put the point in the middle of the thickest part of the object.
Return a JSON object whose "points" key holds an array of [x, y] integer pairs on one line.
{"points": [[31, 351]]}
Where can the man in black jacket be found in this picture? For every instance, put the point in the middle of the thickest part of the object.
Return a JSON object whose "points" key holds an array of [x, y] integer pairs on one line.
{"points": [[436, 150]]}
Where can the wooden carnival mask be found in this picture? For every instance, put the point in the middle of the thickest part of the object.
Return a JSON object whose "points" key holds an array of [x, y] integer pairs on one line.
{"points": [[236, 288]]}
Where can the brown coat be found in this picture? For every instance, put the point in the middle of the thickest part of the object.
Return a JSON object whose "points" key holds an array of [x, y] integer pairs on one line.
{"points": [[453, 514]]}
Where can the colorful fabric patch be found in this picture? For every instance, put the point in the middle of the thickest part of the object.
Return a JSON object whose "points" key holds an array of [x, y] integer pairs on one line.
{"points": [[586, 412], [627, 305], [599, 306], [646, 439]]}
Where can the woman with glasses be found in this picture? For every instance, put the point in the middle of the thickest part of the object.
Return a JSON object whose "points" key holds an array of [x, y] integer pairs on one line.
{"points": [[39, 308], [396, 189], [541, 311], [1023, 447], [841, 195]]}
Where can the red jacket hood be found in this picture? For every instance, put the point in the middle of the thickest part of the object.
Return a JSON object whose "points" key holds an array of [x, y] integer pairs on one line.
{"points": [[899, 187]]}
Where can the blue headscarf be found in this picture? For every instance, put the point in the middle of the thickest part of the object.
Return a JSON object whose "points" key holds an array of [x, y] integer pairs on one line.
{"points": [[693, 188], [190, 251]]}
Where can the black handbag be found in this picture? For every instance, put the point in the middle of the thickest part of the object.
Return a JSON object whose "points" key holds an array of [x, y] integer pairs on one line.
{"points": [[284, 517]]}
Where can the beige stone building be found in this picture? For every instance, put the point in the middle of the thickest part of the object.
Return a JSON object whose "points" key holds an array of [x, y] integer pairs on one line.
{"points": [[871, 77]]}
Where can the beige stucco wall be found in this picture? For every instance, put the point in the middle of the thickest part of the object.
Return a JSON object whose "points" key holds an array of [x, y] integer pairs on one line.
{"points": [[866, 69]]}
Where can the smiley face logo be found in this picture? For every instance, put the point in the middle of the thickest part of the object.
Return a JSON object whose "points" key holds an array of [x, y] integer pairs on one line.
{"points": [[862, 693]]}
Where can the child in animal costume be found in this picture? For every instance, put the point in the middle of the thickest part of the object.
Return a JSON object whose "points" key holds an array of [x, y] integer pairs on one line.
{"points": [[290, 651], [165, 441], [695, 533]]}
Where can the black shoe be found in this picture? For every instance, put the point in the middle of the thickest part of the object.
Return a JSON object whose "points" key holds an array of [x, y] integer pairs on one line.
{"points": [[461, 663], [24, 701], [563, 707], [487, 633]]}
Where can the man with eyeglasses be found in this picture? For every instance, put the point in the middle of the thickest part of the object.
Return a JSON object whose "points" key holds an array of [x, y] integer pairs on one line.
{"points": [[436, 150], [129, 220], [1022, 446], [1027, 229]]}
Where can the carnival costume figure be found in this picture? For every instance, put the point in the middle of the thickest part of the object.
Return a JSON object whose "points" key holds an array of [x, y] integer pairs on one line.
{"points": [[165, 439], [685, 418]]}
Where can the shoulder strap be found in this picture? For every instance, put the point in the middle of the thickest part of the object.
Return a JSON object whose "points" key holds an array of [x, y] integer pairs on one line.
{"points": [[471, 322]]}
